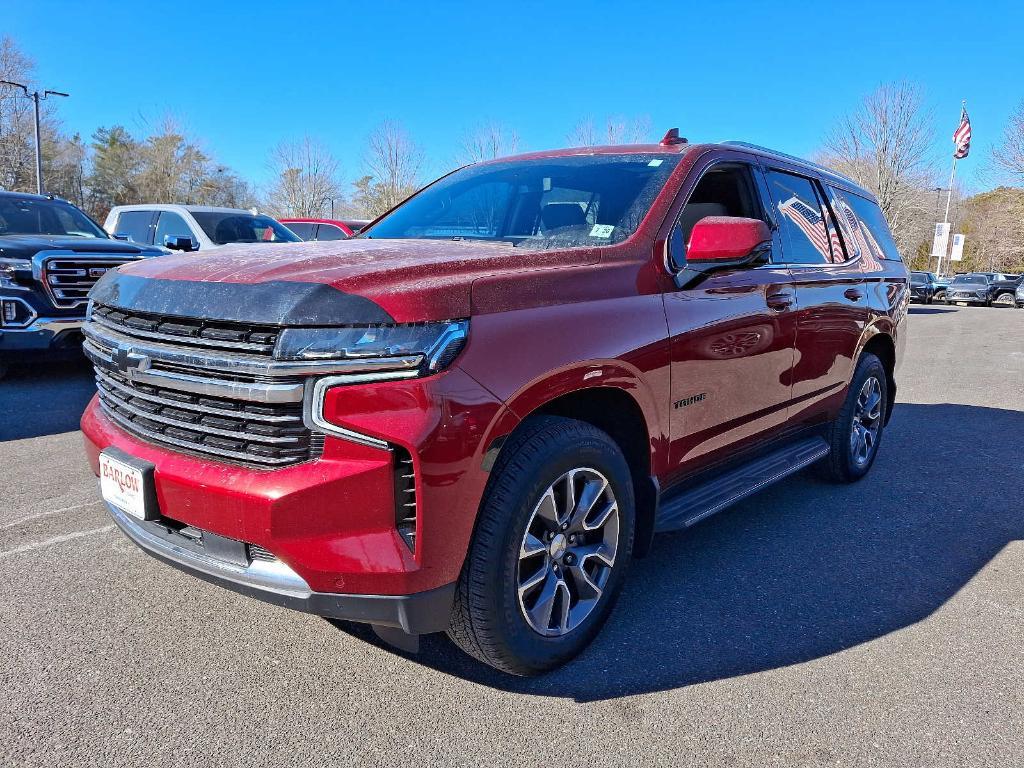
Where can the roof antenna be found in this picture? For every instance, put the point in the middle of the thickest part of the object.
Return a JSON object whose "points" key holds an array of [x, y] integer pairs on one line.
{"points": [[672, 137]]}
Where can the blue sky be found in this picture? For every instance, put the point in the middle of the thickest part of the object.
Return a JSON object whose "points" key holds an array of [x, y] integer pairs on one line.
{"points": [[245, 75]]}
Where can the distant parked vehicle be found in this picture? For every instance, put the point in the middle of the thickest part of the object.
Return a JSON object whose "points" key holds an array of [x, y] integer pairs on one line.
{"points": [[983, 288], [924, 286], [193, 227], [319, 229], [1004, 288], [357, 225], [51, 254], [1020, 295]]}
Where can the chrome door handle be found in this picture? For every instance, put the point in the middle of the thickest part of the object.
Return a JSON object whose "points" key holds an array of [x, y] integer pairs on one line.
{"points": [[853, 294], [781, 301]]}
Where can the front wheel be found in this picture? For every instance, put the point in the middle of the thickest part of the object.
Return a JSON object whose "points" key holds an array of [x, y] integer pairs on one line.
{"points": [[855, 435], [550, 551]]}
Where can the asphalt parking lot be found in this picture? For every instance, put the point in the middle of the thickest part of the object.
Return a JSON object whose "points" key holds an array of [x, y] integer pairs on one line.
{"points": [[874, 624]]}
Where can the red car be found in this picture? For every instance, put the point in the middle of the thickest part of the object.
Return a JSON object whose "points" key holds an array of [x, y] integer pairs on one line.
{"points": [[320, 229], [473, 416]]}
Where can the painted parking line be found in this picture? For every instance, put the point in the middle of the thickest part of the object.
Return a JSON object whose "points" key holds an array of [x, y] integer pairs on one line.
{"points": [[54, 540]]}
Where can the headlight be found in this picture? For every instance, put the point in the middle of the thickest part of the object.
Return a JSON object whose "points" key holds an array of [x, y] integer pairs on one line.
{"points": [[9, 269], [437, 344]]}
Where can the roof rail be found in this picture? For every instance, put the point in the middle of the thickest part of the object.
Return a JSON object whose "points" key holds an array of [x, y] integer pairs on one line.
{"points": [[794, 158]]}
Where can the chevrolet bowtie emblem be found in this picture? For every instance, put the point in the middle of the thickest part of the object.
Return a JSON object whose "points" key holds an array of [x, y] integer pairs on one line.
{"points": [[127, 360]]}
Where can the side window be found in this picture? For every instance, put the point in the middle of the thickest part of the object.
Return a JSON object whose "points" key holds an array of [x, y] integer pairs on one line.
{"points": [[870, 230], [172, 225], [330, 232], [723, 190], [303, 229], [135, 224], [808, 234]]}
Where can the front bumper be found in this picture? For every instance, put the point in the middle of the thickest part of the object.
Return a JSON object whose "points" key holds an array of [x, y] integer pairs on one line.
{"points": [[970, 299], [43, 337], [332, 519], [275, 582]]}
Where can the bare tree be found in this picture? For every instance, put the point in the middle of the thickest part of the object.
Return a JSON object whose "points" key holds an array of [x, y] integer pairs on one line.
{"points": [[393, 162], [17, 169], [486, 142], [616, 130], [1008, 155], [307, 179], [884, 146]]}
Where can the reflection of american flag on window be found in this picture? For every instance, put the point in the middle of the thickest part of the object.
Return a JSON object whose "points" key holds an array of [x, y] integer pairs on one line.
{"points": [[811, 223], [864, 242]]}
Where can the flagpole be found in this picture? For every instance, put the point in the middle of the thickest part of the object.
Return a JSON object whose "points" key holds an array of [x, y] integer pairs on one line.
{"points": [[945, 218]]}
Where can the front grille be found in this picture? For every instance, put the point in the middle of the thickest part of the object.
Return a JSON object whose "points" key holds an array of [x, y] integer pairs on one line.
{"points": [[252, 433], [189, 332], [67, 279], [177, 397]]}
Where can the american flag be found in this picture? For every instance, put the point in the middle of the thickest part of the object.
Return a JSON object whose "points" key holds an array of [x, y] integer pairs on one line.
{"points": [[962, 136], [811, 223]]}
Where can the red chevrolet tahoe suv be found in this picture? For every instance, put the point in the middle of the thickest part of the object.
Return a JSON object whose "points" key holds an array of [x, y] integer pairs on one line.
{"points": [[472, 416]]}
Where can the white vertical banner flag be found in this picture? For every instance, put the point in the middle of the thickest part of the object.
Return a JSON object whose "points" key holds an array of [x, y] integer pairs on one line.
{"points": [[957, 254], [940, 241]]}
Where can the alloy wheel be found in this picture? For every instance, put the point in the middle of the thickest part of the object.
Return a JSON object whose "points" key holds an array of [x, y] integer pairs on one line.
{"points": [[567, 552], [867, 421]]}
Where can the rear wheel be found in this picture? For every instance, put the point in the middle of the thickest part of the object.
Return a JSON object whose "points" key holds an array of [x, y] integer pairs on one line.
{"points": [[856, 434], [550, 551], [1005, 300]]}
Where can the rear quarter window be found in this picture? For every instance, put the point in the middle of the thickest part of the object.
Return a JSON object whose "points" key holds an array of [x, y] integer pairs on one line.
{"points": [[866, 226], [136, 225], [303, 229]]}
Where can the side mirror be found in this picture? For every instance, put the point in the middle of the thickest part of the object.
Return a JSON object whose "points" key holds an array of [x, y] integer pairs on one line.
{"points": [[121, 236], [179, 243], [723, 242]]}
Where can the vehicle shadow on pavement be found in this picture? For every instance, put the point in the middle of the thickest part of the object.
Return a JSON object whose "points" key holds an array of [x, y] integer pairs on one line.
{"points": [[931, 310], [805, 569], [44, 399]]}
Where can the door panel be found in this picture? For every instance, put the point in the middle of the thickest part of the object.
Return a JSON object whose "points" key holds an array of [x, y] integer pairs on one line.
{"points": [[732, 358], [832, 303]]}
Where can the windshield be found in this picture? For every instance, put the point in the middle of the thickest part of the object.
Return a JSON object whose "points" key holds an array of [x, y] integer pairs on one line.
{"points": [[558, 202], [918, 278], [228, 227], [26, 216], [971, 279]]}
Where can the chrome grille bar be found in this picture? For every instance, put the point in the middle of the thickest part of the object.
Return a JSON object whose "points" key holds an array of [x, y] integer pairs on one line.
{"points": [[105, 378], [256, 392], [241, 364], [67, 276]]}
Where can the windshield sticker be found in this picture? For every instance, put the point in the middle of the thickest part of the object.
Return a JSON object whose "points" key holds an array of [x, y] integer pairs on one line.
{"points": [[655, 163], [602, 230]]}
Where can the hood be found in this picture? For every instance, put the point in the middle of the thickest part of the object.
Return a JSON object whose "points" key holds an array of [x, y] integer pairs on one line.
{"points": [[27, 246], [339, 282]]}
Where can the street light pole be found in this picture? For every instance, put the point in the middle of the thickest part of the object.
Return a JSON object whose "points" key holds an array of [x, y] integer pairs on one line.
{"points": [[36, 98]]}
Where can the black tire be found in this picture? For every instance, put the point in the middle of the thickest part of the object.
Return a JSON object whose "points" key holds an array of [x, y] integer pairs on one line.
{"points": [[842, 465], [487, 621]]}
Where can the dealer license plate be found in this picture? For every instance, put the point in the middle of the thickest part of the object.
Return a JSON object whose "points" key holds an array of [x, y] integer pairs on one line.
{"points": [[123, 486]]}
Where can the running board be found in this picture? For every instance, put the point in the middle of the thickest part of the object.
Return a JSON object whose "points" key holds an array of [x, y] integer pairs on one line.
{"points": [[693, 505]]}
